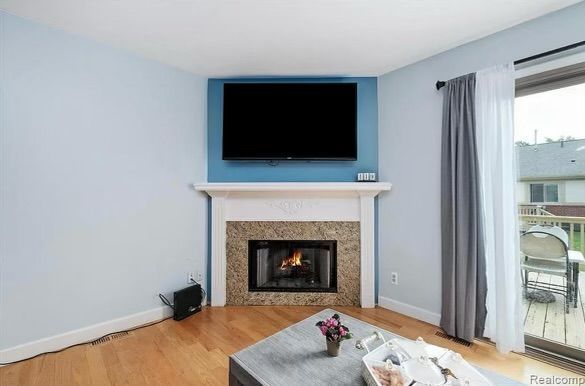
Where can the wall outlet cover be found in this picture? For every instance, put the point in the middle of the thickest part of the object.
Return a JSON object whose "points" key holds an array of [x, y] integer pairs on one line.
{"points": [[394, 278]]}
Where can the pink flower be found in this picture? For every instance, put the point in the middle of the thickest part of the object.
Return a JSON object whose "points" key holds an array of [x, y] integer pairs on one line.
{"points": [[333, 330], [330, 322]]}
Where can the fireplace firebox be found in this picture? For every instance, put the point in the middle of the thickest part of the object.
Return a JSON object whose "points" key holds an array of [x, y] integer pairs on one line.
{"points": [[292, 265]]}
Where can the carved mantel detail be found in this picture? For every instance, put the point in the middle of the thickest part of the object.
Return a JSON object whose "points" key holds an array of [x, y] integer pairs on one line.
{"points": [[291, 206]]}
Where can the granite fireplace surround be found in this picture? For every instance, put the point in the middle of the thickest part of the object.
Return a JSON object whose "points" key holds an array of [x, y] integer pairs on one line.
{"points": [[347, 234]]}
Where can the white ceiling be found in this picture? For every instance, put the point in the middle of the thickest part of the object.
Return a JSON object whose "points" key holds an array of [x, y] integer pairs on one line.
{"points": [[284, 37]]}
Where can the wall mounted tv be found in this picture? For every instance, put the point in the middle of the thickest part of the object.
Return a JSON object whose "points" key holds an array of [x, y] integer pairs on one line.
{"points": [[290, 121]]}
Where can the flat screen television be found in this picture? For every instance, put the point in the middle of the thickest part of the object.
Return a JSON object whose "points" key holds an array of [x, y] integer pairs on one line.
{"points": [[290, 121]]}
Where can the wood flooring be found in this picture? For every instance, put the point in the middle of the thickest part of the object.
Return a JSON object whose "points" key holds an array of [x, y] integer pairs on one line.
{"points": [[550, 321], [195, 351]]}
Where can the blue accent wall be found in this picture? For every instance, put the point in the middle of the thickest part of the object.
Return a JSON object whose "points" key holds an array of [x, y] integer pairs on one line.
{"points": [[219, 170], [259, 171]]}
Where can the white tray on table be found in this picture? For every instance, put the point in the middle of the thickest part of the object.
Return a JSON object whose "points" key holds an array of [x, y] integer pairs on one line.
{"points": [[420, 363]]}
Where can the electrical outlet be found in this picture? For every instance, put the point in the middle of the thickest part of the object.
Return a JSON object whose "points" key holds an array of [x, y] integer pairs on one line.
{"points": [[190, 278], [394, 278], [199, 277]]}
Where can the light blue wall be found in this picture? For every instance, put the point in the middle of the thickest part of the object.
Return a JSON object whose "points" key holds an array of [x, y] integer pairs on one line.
{"points": [[410, 150], [98, 148], [222, 171]]}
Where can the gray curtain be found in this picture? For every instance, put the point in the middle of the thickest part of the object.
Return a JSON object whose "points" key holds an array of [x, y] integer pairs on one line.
{"points": [[463, 269]]}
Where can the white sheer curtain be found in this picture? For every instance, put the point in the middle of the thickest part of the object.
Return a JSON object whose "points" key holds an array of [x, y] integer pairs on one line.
{"points": [[494, 100]]}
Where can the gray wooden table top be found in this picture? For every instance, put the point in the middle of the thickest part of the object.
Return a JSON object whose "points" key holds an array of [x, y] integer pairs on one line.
{"points": [[297, 356]]}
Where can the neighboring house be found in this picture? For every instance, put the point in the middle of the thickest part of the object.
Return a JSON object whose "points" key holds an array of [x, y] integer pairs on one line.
{"points": [[552, 173]]}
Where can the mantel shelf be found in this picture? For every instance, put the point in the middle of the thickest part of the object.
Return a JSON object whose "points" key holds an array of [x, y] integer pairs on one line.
{"points": [[358, 187]]}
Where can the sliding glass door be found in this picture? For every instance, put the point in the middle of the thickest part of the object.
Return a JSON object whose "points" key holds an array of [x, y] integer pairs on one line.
{"points": [[550, 150]]}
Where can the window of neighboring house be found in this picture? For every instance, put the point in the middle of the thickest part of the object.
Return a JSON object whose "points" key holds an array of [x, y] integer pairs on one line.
{"points": [[544, 193]]}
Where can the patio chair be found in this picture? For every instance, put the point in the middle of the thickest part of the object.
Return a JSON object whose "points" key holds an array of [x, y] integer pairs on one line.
{"points": [[573, 255], [553, 230], [545, 252]]}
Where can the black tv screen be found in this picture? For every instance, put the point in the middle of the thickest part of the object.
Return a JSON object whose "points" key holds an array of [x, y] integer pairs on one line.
{"points": [[289, 121]]}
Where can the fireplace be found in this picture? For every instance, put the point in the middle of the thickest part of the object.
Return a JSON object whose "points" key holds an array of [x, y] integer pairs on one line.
{"points": [[292, 266]]}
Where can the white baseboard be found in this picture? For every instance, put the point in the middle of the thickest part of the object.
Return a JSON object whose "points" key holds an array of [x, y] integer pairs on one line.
{"points": [[409, 310], [81, 335]]}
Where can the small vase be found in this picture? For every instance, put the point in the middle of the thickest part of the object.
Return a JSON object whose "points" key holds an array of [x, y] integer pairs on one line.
{"points": [[333, 348]]}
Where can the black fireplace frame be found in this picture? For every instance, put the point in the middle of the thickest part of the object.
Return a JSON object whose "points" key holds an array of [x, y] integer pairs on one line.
{"points": [[292, 244]]}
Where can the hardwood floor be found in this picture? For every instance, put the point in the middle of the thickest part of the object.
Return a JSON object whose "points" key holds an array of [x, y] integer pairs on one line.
{"points": [[195, 351]]}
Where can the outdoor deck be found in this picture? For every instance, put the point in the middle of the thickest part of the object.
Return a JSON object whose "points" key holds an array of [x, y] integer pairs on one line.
{"points": [[549, 321]]}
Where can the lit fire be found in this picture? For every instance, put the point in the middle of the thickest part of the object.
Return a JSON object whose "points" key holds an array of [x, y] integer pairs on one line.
{"points": [[291, 261]]}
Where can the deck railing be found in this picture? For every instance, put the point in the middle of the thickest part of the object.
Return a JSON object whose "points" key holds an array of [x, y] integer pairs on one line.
{"points": [[575, 227], [533, 210]]}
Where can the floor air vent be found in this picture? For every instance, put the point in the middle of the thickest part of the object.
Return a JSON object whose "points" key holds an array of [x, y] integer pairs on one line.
{"points": [[460, 341], [108, 338]]}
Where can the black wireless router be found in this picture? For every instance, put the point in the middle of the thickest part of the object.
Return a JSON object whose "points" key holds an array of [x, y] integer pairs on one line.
{"points": [[187, 302]]}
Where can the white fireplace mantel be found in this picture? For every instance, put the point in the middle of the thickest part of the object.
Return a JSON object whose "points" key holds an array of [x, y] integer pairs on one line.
{"points": [[292, 201]]}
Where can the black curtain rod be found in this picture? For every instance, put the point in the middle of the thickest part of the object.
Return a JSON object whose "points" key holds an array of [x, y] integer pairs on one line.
{"points": [[441, 83]]}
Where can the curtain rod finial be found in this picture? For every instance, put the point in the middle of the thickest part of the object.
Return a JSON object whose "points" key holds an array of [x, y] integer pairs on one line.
{"points": [[440, 84]]}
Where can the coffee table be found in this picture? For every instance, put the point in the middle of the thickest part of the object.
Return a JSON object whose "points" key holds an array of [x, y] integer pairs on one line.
{"points": [[297, 356]]}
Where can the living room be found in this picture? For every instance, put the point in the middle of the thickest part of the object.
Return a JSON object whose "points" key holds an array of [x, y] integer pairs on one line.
{"points": [[189, 187]]}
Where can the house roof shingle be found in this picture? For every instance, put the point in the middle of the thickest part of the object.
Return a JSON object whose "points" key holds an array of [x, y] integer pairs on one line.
{"points": [[552, 160]]}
